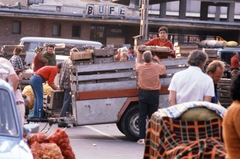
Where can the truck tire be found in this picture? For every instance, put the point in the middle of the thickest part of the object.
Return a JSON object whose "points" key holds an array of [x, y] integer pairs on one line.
{"points": [[119, 126], [129, 123]]}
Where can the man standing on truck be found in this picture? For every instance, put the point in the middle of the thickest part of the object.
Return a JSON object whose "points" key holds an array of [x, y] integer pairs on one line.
{"points": [[149, 86], [162, 40], [191, 84], [234, 61], [50, 56]]}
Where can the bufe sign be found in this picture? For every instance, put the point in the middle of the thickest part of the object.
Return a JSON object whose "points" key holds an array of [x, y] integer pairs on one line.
{"points": [[105, 10]]}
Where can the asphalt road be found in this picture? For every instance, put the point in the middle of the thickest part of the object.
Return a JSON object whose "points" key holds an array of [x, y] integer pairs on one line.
{"points": [[99, 142]]}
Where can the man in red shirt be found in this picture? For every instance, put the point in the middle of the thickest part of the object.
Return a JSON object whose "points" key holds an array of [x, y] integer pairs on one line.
{"points": [[46, 73], [162, 40], [234, 61]]}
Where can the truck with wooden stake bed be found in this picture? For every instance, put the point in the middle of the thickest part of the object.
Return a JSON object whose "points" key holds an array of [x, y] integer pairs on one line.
{"points": [[106, 91]]}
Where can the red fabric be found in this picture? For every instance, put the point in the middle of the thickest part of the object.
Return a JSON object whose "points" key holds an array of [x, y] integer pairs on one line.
{"points": [[48, 73], [159, 42], [234, 62], [37, 64]]}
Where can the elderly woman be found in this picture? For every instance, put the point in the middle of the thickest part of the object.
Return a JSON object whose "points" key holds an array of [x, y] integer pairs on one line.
{"points": [[39, 61], [231, 121], [16, 60], [124, 56]]}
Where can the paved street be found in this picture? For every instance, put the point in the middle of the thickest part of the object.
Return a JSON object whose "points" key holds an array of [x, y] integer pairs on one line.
{"points": [[100, 142]]}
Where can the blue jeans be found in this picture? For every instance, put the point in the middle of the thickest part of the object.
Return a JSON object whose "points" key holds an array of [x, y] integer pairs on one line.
{"points": [[148, 104], [36, 84], [67, 103]]}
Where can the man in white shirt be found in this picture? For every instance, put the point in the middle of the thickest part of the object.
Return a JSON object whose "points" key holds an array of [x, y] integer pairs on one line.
{"points": [[191, 84]]}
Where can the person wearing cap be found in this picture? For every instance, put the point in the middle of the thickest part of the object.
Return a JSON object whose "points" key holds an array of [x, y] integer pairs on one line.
{"points": [[162, 40], [50, 56], [149, 85], [39, 61]]}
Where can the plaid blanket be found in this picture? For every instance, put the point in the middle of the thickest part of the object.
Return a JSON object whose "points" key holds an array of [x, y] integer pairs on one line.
{"points": [[177, 110], [168, 138]]}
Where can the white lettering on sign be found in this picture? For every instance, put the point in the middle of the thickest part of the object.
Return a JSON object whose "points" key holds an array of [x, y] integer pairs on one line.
{"points": [[101, 10], [105, 10], [90, 9]]}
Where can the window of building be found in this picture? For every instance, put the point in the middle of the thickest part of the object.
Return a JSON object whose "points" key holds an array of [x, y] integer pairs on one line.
{"points": [[98, 34], [16, 27], [56, 30], [76, 31]]}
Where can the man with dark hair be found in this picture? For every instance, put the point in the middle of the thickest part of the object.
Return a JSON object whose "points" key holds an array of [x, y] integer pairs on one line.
{"points": [[162, 40], [46, 73], [231, 121], [191, 84], [215, 70], [149, 85], [234, 61], [50, 56]]}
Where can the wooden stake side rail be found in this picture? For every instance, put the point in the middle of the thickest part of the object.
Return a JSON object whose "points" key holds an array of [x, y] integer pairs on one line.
{"points": [[116, 79]]}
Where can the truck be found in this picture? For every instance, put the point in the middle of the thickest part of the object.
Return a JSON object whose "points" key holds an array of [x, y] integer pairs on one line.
{"points": [[107, 92]]}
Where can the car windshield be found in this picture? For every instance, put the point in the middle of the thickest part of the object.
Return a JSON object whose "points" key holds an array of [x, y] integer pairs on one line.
{"points": [[8, 124]]}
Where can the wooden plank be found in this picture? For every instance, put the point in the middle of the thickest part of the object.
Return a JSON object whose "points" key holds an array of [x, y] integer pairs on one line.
{"points": [[104, 86], [124, 65], [92, 85], [98, 94], [104, 76]]}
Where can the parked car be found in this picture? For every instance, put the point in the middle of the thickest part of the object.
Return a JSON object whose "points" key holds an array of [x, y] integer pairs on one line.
{"points": [[12, 143], [30, 43]]}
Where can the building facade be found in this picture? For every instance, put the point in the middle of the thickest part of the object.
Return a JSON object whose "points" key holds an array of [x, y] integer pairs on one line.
{"points": [[117, 23]]}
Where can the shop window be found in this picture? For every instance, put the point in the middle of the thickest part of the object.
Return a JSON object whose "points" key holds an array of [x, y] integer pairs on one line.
{"points": [[56, 30], [98, 34], [76, 31], [16, 27]]}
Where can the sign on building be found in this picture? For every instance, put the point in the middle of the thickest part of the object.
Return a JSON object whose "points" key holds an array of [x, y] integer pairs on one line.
{"points": [[30, 2], [110, 10]]}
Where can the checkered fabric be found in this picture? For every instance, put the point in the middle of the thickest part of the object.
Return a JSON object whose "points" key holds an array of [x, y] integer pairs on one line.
{"points": [[168, 138], [177, 110]]}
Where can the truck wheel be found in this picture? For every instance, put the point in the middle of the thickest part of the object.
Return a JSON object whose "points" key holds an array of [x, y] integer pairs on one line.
{"points": [[130, 123], [119, 126]]}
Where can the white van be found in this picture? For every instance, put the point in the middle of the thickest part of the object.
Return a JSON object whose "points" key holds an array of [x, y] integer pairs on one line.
{"points": [[30, 43]]}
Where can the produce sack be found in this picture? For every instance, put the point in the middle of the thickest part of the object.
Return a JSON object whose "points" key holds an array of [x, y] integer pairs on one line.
{"points": [[46, 151], [61, 138]]}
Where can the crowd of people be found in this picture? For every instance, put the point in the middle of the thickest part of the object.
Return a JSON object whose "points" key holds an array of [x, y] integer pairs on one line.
{"points": [[192, 84]]}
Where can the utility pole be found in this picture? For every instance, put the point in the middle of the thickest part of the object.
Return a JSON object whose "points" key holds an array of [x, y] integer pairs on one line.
{"points": [[144, 19], [143, 36]]}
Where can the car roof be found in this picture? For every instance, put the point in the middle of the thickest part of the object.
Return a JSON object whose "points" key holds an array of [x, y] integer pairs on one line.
{"points": [[61, 40]]}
